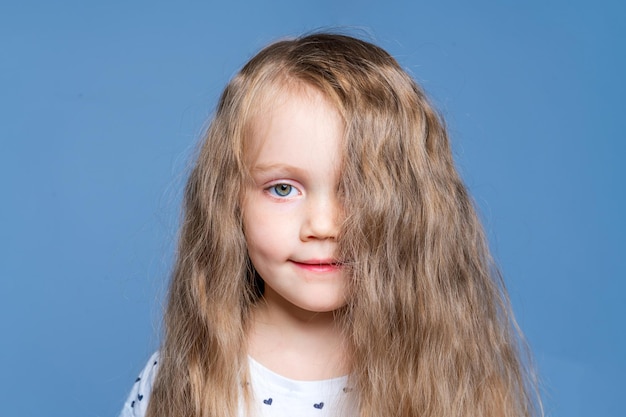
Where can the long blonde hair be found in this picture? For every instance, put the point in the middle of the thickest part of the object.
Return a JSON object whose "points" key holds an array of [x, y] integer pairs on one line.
{"points": [[427, 318]]}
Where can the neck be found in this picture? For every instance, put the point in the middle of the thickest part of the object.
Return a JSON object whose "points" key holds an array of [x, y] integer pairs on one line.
{"points": [[296, 343]]}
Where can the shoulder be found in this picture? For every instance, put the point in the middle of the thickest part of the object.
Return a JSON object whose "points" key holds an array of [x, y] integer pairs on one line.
{"points": [[137, 402]]}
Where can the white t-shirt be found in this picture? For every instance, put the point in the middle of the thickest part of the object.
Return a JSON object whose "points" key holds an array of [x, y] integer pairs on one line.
{"points": [[273, 394]]}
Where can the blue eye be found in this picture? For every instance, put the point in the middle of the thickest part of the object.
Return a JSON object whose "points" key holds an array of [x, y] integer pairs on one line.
{"points": [[281, 190]]}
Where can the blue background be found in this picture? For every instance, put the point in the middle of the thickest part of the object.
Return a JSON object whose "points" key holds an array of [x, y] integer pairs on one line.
{"points": [[102, 104]]}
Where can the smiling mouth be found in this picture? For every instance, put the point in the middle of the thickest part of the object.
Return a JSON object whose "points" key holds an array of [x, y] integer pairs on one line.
{"points": [[322, 265]]}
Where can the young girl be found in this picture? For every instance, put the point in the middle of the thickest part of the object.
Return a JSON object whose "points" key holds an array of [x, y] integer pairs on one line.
{"points": [[330, 260]]}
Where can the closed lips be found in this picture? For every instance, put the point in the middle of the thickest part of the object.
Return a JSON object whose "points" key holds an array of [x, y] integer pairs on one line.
{"points": [[318, 265]]}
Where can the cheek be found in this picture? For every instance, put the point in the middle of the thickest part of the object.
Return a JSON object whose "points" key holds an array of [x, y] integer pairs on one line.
{"points": [[267, 232]]}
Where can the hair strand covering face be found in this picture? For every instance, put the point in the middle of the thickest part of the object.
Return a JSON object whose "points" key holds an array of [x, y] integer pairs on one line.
{"points": [[427, 317]]}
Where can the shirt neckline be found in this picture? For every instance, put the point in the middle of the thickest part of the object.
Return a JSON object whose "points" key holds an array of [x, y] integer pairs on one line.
{"points": [[294, 385]]}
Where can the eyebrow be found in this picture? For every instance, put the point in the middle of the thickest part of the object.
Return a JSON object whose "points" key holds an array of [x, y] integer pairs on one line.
{"points": [[278, 167]]}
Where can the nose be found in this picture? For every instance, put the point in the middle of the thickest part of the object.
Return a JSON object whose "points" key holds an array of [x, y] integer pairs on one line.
{"points": [[321, 218]]}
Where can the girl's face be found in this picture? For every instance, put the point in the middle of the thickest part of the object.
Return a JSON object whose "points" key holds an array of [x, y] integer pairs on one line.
{"points": [[290, 209]]}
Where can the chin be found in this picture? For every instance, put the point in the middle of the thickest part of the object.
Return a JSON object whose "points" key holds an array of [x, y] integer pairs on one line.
{"points": [[323, 308]]}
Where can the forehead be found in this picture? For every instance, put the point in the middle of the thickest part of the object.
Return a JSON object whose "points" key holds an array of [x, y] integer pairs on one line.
{"points": [[297, 118]]}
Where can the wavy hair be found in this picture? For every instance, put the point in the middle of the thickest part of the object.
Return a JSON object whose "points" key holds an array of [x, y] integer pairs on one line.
{"points": [[427, 319]]}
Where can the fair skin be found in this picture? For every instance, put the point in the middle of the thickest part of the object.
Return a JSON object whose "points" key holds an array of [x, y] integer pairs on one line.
{"points": [[291, 215]]}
